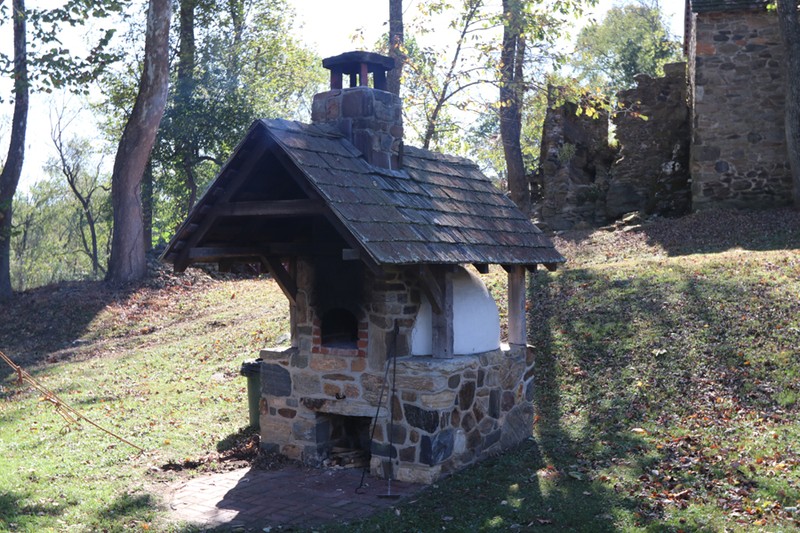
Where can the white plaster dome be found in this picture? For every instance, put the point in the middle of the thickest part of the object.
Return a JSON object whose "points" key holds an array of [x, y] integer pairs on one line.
{"points": [[476, 326]]}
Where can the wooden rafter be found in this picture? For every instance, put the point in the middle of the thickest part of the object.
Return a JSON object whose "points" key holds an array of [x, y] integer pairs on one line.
{"points": [[183, 259]]}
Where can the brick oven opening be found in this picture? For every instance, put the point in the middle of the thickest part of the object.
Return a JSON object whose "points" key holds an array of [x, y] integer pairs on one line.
{"points": [[339, 329], [344, 440]]}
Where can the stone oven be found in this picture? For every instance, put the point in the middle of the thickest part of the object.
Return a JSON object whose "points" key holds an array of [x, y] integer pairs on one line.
{"points": [[395, 358]]}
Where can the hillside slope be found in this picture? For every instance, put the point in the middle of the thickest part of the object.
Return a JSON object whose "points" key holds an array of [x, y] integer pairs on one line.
{"points": [[668, 393]]}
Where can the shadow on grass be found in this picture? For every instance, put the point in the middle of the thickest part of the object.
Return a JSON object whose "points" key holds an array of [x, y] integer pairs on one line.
{"points": [[17, 515], [239, 441], [127, 505], [714, 231], [47, 323], [137, 510], [618, 351]]}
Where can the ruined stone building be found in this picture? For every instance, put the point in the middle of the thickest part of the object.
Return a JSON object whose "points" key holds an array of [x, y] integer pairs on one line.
{"points": [[713, 135], [736, 78]]}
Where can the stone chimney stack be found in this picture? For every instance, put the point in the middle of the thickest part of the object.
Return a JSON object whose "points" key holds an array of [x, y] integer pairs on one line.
{"points": [[370, 117]]}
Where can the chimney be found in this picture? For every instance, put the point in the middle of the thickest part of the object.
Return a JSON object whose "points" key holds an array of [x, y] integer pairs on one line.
{"points": [[370, 117]]}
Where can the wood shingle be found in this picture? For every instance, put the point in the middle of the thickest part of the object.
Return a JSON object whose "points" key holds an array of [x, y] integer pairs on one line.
{"points": [[437, 209]]}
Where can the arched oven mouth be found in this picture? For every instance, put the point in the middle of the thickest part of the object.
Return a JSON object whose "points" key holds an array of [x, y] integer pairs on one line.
{"points": [[339, 329]]}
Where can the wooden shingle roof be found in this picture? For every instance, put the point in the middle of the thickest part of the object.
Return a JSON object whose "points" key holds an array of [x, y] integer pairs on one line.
{"points": [[438, 209]]}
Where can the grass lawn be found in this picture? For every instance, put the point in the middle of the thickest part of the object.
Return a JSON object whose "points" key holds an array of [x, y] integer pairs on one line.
{"points": [[668, 391]]}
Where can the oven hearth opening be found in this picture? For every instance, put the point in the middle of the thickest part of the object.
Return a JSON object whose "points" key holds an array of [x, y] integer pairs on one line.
{"points": [[344, 440]]}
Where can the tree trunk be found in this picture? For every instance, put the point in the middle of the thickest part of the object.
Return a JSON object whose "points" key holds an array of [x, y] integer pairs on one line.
{"points": [[187, 49], [395, 45], [128, 262], [9, 178], [236, 10], [790, 30], [147, 205], [512, 87]]}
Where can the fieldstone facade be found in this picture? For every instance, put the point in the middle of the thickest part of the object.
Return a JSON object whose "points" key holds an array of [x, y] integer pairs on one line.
{"points": [[372, 120], [444, 413], [574, 162], [737, 65], [584, 182], [651, 171], [714, 134]]}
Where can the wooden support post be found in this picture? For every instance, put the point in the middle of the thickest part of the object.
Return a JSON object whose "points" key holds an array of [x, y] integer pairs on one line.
{"points": [[517, 317], [336, 79], [295, 339], [442, 326], [431, 287]]}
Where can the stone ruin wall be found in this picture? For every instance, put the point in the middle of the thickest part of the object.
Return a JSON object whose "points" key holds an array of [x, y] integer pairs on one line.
{"points": [[573, 167], [651, 171], [583, 182], [739, 148], [731, 152]]}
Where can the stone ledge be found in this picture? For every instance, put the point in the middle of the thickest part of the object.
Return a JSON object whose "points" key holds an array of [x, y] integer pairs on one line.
{"points": [[277, 352], [342, 407]]}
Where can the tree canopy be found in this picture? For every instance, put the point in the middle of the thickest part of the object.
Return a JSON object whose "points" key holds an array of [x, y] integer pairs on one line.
{"points": [[631, 39]]}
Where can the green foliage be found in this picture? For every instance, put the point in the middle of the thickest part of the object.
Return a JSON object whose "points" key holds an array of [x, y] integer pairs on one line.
{"points": [[53, 66], [630, 40], [51, 239], [247, 66], [449, 91], [439, 85], [486, 146]]}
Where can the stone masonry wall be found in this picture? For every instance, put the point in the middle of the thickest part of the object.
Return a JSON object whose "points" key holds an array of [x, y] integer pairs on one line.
{"points": [[573, 163], [651, 173], [302, 381], [448, 413], [371, 119], [738, 154]]}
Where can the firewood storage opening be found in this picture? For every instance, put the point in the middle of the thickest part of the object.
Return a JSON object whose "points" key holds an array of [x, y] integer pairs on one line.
{"points": [[344, 440]]}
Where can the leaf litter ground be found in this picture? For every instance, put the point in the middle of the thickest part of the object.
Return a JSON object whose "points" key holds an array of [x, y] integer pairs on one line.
{"points": [[668, 383]]}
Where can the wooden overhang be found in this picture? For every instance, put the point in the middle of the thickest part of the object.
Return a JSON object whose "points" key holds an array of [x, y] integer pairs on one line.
{"points": [[293, 189]]}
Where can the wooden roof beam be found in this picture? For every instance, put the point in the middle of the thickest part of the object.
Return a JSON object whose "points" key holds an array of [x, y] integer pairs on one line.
{"points": [[482, 268], [228, 189], [208, 254], [277, 208], [201, 254], [282, 277]]}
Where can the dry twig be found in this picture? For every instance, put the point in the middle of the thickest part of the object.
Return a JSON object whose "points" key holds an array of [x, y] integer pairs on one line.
{"points": [[70, 415]]}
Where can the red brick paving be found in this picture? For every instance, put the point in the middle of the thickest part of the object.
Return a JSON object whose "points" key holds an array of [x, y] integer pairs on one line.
{"points": [[252, 500]]}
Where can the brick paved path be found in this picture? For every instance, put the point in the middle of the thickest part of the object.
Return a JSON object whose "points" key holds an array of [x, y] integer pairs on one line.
{"points": [[252, 500]]}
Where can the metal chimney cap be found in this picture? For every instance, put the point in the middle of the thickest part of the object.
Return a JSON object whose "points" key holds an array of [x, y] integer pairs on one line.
{"points": [[350, 62]]}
